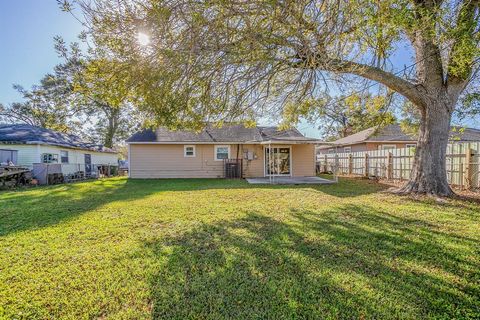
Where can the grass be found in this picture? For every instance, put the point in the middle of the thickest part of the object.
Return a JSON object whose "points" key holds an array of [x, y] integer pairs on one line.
{"points": [[214, 249]]}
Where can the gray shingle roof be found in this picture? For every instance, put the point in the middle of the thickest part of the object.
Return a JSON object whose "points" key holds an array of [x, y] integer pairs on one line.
{"points": [[146, 135], [394, 132], [27, 134], [227, 133], [464, 134]]}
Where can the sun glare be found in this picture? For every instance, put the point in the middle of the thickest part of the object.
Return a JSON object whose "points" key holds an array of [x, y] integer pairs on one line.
{"points": [[143, 39]]}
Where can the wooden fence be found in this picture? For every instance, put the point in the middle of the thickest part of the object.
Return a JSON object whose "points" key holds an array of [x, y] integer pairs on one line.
{"points": [[463, 164]]}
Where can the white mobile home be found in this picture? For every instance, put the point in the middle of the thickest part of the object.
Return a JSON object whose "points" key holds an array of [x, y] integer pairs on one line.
{"points": [[26, 145]]}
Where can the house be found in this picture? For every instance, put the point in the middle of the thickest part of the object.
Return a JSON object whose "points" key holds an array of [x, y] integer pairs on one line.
{"points": [[27, 145], [262, 151], [388, 138]]}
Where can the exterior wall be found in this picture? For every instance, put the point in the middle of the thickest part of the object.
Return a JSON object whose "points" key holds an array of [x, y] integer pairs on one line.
{"points": [[28, 154], [371, 146], [76, 158], [354, 148], [168, 161], [256, 167], [303, 160], [366, 146]]}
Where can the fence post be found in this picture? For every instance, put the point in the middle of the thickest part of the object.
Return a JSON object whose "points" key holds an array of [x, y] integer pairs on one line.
{"points": [[350, 164], [389, 166], [401, 173], [337, 165], [325, 164], [366, 167], [468, 173]]}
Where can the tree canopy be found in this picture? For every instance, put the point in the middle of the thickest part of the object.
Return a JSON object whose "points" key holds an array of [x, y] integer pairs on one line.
{"points": [[48, 104], [217, 60], [76, 99]]}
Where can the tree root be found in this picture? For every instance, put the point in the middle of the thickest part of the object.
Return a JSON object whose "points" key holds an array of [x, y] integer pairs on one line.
{"points": [[415, 188]]}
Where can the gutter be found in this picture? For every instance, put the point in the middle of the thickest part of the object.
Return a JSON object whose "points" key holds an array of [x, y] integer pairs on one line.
{"points": [[40, 143], [227, 142]]}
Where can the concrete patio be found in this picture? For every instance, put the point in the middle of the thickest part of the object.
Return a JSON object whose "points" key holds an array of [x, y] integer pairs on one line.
{"points": [[289, 180]]}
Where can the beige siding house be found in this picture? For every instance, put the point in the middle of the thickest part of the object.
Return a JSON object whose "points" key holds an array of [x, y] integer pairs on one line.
{"points": [[261, 151], [388, 138]]}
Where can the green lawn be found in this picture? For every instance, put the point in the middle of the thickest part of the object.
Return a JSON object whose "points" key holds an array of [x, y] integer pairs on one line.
{"points": [[214, 249]]}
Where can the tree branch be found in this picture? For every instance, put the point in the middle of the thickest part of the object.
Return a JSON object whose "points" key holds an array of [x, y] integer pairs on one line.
{"points": [[409, 90]]}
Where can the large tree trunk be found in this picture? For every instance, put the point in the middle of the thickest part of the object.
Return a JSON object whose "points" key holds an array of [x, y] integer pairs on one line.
{"points": [[110, 132], [112, 114], [429, 175]]}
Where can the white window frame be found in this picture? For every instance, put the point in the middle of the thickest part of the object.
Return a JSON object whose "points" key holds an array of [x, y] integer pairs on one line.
{"points": [[265, 162], [61, 157], [221, 146], [347, 149], [53, 156], [389, 146], [410, 145], [185, 151]]}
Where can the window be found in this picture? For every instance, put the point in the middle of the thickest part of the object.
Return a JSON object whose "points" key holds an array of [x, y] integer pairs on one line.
{"points": [[49, 158], [347, 149], [64, 156], [189, 151], [410, 145], [387, 147], [222, 152]]}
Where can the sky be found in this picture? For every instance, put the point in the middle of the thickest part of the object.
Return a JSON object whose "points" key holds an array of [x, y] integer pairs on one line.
{"points": [[27, 28]]}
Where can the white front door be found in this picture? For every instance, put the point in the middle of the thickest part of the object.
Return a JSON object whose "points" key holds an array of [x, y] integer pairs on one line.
{"points": [[278, 161]]}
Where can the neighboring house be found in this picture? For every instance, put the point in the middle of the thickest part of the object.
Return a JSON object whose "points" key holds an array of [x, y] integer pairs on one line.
{"points": [[27, 145], [388, 138], [185, 154]]}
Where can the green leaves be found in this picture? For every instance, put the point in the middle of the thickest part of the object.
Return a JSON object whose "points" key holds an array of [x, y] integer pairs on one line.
{"points": [[340, 116], [225, 61]]}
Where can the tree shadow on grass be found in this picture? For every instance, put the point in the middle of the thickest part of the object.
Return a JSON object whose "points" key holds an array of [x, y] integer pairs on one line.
{"points": [[351, 262], [43, 206], [344, 189]]}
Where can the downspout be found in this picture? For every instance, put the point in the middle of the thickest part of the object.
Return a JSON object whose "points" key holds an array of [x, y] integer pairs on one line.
{"points": [[241, 169], [129, 160], [335, 173], [39, 159], [270, 162]]}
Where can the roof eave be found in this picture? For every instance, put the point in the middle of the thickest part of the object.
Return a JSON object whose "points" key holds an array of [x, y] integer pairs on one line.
{"points": [[280, 141], [33, 143]]}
